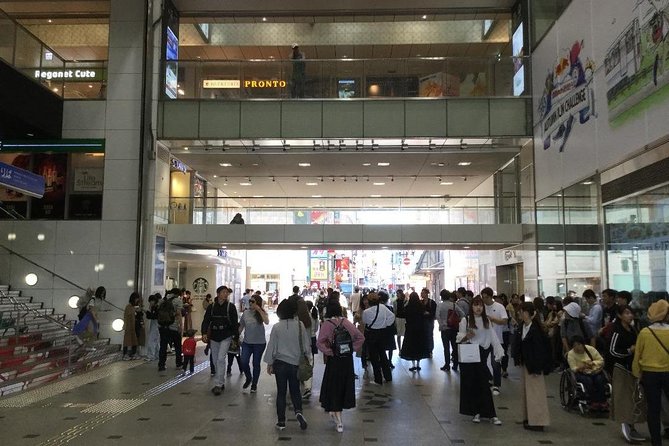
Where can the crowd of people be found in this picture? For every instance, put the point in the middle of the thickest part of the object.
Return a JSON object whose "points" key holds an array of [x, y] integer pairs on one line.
{"points": [[602, 341]]}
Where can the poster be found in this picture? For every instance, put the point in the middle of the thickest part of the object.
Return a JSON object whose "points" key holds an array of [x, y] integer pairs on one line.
{"points": [[88, 179], [159, 262], [53, 167], [319, 269], [438, 85]]}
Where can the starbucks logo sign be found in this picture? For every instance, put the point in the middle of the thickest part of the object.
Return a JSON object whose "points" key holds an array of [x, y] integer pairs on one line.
{"points": [[200, 285]]}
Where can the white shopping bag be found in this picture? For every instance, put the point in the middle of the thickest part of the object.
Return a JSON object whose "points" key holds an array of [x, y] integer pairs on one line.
{"points": [[469, 353]]}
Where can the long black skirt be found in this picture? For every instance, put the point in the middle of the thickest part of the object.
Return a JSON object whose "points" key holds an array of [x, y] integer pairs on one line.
{"points": [[338, 386], [475, 394], [414, 346]]}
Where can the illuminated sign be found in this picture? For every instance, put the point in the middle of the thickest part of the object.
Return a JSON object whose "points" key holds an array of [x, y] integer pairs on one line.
{"points": [[221, 83], [178, 165], [70, 75], [265, 84]]}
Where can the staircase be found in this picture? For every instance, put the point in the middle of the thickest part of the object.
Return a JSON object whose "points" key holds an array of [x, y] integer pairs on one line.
{"points": [[37, 346]]}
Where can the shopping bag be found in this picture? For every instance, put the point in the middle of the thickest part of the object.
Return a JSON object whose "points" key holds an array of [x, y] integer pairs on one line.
{"points": [[469, 353]]}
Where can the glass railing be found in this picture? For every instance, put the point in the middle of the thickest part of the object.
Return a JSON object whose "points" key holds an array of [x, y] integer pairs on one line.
{"points": [[350, 210], [342, 78], [67, 79]]}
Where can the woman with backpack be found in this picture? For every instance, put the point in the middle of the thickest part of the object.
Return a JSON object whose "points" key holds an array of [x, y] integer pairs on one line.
{"points": [[338, 338]]}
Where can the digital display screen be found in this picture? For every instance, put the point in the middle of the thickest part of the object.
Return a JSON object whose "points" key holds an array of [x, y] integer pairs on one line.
{"points": [[171, 80], [517, 47], [346, 88], [172, 46], [519, 82]]}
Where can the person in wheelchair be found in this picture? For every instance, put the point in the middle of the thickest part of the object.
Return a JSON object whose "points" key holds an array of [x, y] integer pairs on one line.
{"points": [[588, 367]]}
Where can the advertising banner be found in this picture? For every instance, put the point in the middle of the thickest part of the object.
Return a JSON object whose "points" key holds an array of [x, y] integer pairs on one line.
{"points": [[53, 167]]}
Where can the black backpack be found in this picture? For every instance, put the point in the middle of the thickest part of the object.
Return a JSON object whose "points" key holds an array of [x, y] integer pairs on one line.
{"points": [[167, 314], [342, 343]]}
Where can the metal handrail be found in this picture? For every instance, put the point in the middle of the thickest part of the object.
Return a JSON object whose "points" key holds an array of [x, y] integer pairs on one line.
{"points": [[34, 312]]}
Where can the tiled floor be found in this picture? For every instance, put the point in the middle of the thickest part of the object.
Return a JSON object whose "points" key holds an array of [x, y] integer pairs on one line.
{"points": [[133, 404]]}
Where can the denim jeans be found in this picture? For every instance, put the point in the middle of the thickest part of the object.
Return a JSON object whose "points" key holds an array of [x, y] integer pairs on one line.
{"points": [[219, 352], [655, 385], [450, 346], [255, 350], [286, 378]]}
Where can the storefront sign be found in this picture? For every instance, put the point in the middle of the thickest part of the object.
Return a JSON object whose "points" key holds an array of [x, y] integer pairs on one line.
{"points": [[78, 75], [21, 180], [221, 83], [178, 165], [88, 180], [265, 84]]}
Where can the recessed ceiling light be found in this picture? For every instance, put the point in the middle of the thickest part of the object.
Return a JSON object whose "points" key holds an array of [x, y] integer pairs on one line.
{"points": [[225, 164], [383, 164], [316, 196], [464, 163], [55, 90], [255, 164], [466, 247], [185, 148], [245, 184], [424, 17], [312, 184], [304, 164], [258, 196], [440, 164], [264, 19], [366, 164], [49, 21], [384, 247], [446, 183], [215, 176], [375, 196], [587, 183], [225, 184], [435, 196], [90, 86], [379, 184], [223, 247]]}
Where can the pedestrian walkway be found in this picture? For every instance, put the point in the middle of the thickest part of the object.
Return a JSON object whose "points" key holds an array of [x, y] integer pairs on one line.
{"points": [[131, 403]]}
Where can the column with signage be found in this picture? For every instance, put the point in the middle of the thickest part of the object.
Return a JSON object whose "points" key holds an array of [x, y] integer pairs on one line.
{"points": [[170, 74]]}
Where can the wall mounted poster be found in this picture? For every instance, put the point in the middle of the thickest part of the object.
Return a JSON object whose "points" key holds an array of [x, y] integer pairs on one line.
{"points": [[53, 167]]}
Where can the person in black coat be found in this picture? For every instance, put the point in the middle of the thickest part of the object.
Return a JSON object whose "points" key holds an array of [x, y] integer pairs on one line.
{"points": [[533, 353]]}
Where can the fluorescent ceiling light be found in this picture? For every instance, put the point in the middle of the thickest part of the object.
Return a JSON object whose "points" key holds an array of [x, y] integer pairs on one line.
{"points": [[258, 196], [225, 164], [379, 184], [312, 184], [446, 183], [464, 163], [304, 164], [383, 164], [316, 196], [244, 184], [366, 164], [375, 196]]}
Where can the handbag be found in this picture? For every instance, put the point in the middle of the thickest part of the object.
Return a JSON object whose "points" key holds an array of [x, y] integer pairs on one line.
{"points": [[305, 370], [469, 353], [234, 347]]}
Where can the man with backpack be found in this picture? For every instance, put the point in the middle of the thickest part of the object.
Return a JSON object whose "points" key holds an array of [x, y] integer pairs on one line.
{"points": [[219, 327], [170, 326], [449, 323]]}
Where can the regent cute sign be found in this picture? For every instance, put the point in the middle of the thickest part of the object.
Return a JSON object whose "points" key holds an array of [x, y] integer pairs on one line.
{"points": [[70, 75]]}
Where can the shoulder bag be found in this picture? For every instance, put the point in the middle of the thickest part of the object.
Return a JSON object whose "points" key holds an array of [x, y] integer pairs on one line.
{"points": [[305, 370], [658, 340]]}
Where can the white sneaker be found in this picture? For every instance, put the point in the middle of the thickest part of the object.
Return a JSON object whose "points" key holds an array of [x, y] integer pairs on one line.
{"points": [[495, 391], [477, 418], [340, 427], [496, 421]]}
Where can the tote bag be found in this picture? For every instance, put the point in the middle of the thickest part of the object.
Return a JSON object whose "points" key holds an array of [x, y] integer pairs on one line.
{"points": [[469, 353]]}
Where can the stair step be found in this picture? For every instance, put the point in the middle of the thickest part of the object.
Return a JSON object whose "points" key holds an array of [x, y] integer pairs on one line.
{"points": [[9, 306], [5, 297], [31, 327]]}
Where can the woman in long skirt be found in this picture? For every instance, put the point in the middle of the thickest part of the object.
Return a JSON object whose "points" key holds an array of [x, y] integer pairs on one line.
{"points": [[415, 347], [533, 353], [338, 386], [475, 394], [621, 350]]}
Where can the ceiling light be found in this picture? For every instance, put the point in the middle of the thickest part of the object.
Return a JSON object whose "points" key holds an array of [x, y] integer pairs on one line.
{"points": [[312, 184], [215, 176], [464, 163], [181, 92], [424, 17], [304, 164], [303, 247], [40, 237], [379, 184], [466, 247], [49, 21], [375, 196], [316, 196], [383, 164], [90, 86], [55, 90], [435, 196], [384, 247], [223, 247], [366, 164], [245, 184], [587, 183], [446, 183], [223, 164], [185, 148], [440, 164], [264, 19], [258, 196]]}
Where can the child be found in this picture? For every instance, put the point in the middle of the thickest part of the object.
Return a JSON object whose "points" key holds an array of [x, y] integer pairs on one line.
{"points": [[188, 350]]}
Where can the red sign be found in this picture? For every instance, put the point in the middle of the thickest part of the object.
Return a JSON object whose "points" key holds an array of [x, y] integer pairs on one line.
{"points": [[406, 260]]}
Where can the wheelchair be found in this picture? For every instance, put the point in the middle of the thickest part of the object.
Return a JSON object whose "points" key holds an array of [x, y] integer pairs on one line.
{"points": [[573, 395]]}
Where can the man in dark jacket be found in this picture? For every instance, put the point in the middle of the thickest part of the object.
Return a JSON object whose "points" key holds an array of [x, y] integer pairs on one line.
{"points": [[219, 326]]}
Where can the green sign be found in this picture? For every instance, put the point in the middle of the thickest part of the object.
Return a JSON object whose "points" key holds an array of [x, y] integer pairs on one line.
{"points": [[54, 146]]}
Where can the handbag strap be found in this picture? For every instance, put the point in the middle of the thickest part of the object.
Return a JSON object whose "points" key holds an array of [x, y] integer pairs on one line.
{"points": [[299, 334], [375, 318], [658, 340]]}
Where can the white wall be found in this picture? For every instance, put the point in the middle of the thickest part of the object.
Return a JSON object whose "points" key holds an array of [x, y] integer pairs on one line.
{"points": [[606, 138], [290, 265]]}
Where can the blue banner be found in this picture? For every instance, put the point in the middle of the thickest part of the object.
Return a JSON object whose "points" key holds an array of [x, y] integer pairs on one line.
{"points": [[21, 180]]}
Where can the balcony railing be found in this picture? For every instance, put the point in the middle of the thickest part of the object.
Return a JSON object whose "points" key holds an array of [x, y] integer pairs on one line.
{"points": [[349, 210], [341, 78], [67, 79]]}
